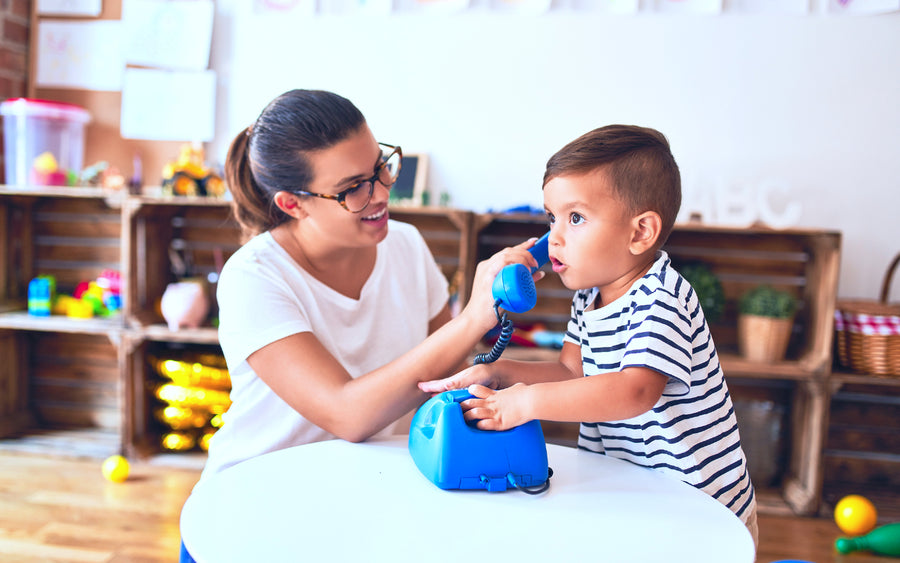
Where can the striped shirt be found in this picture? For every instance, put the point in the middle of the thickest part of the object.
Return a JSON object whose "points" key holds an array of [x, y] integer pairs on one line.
{"points": [[691, 432]]}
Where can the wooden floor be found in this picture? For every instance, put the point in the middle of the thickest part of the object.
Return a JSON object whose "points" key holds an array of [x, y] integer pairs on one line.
{"points": [[55, 509]]}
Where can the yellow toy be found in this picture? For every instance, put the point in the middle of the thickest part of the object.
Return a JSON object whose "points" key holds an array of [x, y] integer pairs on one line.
{"points": [[116, 469], [46, 172], [189, 176], [855, 515]]}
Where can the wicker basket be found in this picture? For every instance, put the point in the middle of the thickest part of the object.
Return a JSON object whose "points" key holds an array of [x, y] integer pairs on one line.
{"points": [[868, 332]]}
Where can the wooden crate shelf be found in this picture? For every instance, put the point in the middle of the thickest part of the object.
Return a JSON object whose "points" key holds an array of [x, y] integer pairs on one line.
{"points": [[76, 233], [66, 393]]}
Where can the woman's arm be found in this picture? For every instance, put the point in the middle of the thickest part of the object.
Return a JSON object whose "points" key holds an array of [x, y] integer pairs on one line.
{"points": [[505, 373], [304, 374]]}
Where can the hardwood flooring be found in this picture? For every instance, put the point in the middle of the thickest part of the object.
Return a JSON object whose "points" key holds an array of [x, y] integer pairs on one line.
{"points": [[54, 509]]}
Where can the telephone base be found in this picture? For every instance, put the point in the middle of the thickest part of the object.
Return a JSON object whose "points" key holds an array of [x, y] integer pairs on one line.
{"points": [[453, 454]]}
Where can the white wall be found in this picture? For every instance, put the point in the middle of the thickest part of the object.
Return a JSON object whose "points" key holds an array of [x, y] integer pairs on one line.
{"points": [[809, 105]]}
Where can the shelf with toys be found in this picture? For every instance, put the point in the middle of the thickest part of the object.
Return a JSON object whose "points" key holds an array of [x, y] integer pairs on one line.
{"points": [[96, 380]]}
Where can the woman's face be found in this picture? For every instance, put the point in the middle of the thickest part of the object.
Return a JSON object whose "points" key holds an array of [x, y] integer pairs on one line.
{"points": [[337, 168]]}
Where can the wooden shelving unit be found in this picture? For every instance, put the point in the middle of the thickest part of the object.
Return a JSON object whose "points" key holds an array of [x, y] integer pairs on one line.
{"points": [[103, 406]]}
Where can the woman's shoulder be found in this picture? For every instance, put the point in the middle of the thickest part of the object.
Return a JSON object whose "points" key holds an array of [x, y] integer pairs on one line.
{"points": [[253, 254]]}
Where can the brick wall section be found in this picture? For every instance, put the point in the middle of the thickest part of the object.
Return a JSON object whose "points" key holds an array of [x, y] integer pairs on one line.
{"points": [[14, 37]]}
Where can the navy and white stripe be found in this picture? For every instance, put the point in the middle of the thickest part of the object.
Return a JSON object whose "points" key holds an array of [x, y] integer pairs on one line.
{"points": [[692, 431]]}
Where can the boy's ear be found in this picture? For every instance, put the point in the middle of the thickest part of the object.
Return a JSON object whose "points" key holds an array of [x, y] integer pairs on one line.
{"points": [[290, 204], [646, 229]]}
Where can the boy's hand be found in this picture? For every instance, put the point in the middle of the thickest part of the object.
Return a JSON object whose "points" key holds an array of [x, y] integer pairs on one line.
{"points": [[497, 410], [481, 374]]}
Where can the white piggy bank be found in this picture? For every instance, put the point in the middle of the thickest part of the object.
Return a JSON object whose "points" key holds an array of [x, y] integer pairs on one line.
{"points": [[185, 304]]}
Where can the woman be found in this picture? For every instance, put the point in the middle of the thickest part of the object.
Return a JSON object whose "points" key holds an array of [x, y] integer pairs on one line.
{"points": [[330, 314]]}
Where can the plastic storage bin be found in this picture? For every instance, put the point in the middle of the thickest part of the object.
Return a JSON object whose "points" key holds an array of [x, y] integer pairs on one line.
{"points": [[43, 141]]}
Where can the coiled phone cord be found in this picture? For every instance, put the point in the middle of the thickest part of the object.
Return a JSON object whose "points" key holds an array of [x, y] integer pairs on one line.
{"points": [[506, 332]]}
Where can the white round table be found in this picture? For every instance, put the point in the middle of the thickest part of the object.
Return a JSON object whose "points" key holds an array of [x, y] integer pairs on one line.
{"points": [[339, 501]]}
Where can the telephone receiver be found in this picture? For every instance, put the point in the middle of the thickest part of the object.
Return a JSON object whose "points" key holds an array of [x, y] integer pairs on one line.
{"points": [[514, 287]]}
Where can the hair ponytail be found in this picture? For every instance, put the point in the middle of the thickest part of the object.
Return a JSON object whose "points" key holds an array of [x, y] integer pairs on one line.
{"points": [[253, 211]]}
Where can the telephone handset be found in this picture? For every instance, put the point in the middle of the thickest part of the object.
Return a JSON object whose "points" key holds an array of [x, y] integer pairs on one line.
{"points": [[514, 291], [514, 287]]}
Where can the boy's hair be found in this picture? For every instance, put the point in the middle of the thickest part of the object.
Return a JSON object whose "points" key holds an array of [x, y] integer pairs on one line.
{"points": [[638, 162]]}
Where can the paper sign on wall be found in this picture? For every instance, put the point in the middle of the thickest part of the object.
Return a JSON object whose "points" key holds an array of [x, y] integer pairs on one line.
{"points": [[773, 6], [607, 6], [167, 105], [863, 6], [689, 6], [67, 55], [175, 35], [69, 7], [301, 7]]}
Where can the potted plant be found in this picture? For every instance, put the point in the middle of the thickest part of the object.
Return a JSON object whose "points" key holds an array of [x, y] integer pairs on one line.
{"points": [[765, 322], [708, 288]]}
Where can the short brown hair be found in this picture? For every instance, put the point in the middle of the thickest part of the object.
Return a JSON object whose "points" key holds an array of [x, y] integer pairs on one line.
{"points": [[639, 163]]}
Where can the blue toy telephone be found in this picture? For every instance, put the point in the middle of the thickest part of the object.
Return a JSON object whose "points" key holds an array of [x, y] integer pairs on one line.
{"points": [[514, 287], [455, 455], [514, 291]]}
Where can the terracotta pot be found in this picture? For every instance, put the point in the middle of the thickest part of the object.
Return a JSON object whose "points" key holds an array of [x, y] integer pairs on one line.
{"points": [[763, 339]]}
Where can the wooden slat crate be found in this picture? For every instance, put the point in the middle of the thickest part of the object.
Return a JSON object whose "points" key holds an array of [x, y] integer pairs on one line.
{"points": [[72, 398], [862, 451], [145, 431], [73, 240], [804, 263], [446, 231], [74, 381], [202, 233], [15, 415]]}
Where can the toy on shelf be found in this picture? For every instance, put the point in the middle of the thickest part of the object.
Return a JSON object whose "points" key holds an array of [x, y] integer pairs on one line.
{"points": [[195, 398], [41, 293], [98, 298], [46, 172], [185, 304], [529, 336], [103, 175], [189, 175]]}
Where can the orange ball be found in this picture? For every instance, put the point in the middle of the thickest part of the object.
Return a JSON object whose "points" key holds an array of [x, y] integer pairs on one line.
{"points": [[855, 515]]}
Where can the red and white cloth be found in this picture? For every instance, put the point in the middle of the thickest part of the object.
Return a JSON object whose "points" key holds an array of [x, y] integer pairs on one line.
{"points": [[887, 325]]}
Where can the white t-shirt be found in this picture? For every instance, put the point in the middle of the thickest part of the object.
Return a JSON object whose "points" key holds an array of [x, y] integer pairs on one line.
{"points": [[264, 296]]}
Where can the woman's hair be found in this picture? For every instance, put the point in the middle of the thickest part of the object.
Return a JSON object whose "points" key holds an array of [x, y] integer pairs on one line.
{"points": [[638, 162], [271, 155]]}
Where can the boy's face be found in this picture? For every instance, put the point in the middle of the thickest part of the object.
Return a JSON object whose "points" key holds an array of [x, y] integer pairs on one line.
{"points": [[591, 232]]}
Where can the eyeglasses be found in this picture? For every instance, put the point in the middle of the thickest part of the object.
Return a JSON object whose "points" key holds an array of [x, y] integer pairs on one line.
{"points": [[357, 197]]}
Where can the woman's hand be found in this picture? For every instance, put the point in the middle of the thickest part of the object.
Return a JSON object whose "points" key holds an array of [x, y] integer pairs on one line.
{"points": [[482, 374], [498, 410], [480, 308]]}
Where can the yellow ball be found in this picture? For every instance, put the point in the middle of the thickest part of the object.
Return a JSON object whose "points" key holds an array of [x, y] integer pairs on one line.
{"points": [[116, 468], [855, 515]]}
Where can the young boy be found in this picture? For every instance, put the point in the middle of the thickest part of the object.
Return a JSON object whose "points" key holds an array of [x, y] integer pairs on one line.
{"points": [[638, 367]]}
